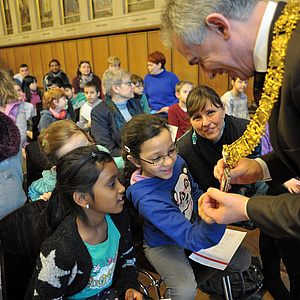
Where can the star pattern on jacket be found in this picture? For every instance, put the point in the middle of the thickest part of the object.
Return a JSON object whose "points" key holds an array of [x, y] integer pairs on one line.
{"points": [[50, 272]]}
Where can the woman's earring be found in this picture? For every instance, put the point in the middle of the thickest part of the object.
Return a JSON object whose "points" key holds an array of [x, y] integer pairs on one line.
{"points": [[194, 137], [87, 206]]}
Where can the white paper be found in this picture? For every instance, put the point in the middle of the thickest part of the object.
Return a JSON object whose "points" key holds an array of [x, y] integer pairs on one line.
{"points": [[219, 255]]}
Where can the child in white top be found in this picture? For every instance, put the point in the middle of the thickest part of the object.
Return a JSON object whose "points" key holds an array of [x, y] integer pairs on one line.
{"points": [[91, 91], [235, 100]]}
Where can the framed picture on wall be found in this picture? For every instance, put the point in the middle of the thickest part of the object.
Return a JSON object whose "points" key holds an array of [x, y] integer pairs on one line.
{"points": [[71, 11], [138, 5], [102, 8], [45, 10], [24, 15], [7, 17]]}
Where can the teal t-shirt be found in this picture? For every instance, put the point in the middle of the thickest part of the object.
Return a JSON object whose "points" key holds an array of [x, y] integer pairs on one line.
{"points": [[104, 257]]}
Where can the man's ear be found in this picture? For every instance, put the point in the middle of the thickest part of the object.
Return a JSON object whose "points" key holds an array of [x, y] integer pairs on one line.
{"points": [[80, 199], [219, 24], [98, 94], [134, 161]]}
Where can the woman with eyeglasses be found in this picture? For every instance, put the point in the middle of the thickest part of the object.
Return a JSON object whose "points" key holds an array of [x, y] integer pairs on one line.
{"points": [[109, 117], [165, 195]]}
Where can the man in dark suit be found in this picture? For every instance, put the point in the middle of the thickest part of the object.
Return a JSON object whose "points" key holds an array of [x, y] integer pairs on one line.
{"points": [[235, 37]]}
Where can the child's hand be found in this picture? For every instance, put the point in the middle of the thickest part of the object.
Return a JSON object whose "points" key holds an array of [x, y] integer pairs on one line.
{"points": [[132, 294], [201, 213], [89, 124], [293, 185], [46, 196], [163, 110]]}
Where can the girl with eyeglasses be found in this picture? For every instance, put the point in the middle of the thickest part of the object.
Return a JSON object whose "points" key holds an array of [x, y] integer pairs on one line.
{"points": [[165, 195]]}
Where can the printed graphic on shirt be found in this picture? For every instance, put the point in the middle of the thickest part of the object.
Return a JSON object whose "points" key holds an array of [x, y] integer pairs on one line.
{"points": [[101, 277], [181, 195]]}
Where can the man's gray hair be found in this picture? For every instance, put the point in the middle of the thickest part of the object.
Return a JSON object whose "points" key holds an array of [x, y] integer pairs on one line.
{"points": [[187, 18], [112, 77]]}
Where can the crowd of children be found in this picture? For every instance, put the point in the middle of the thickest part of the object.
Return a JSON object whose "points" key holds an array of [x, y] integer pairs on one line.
{"points": [[88, 129]]}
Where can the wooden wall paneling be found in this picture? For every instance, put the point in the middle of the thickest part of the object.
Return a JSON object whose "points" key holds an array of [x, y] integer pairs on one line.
{"points": [[46, 57], [58, 52], [18, 57], [219, 84], [182, 68], [117, 46], [37, 65], [27, 57], [11, 60], [100, 55], [155, 44], [84, 50], [249, 89], [3, 59], [137, 53], [71, 58]]}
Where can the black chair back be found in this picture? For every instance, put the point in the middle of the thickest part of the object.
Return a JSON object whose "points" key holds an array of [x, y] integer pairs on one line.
{"points": [[21, 235]]}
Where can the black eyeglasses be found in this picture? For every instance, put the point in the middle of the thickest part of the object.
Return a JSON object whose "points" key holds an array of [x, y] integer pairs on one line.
{"points": [[161, 159], [127, 82]]}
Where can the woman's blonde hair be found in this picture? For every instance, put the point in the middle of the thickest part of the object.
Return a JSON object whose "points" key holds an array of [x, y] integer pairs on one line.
{"points": [[7, 90], [57, 135], [50, 96]]}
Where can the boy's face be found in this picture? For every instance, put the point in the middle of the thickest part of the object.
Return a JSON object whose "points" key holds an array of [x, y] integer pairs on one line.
{"points": [[138, 88], [91, 94], [69, 93], [182, 95], [61, 104], [113, 67], [239, 85], [24, 71]]}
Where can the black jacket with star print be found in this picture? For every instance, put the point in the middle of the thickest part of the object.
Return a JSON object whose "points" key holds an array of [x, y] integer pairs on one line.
{"points": [[64, 265]]}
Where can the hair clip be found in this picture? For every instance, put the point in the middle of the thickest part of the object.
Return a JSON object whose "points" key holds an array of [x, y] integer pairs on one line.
{"points": [[44, 140], [94, 155], [127, 149]]}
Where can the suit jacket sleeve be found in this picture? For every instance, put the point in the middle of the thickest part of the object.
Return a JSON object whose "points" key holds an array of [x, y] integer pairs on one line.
{"points": [[278, 170], [277, 216], [104, 129]]}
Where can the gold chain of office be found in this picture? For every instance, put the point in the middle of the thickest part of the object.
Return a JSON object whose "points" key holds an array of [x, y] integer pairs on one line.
{"points": [[283, 29]]}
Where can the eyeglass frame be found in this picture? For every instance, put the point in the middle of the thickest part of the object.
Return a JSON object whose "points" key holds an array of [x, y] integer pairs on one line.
{"points": [[163, 156], [127, 82]]}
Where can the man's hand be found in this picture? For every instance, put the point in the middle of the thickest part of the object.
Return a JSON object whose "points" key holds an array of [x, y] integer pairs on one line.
{"points": [[245, 171], [132, 294], [224, 208]]}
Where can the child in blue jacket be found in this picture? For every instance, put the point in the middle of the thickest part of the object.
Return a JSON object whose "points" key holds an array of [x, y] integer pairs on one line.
{"points": [[165, 195]]}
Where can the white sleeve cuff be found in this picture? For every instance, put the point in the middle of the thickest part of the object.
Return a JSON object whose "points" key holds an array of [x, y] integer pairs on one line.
{"points": [[245, 208], [266, 173]]}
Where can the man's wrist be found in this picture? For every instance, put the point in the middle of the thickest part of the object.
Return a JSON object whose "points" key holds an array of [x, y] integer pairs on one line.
{"points": [[266, 174]]}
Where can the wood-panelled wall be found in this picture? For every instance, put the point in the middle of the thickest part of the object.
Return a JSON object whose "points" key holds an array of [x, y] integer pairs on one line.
{"points": [[131, 48]]}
